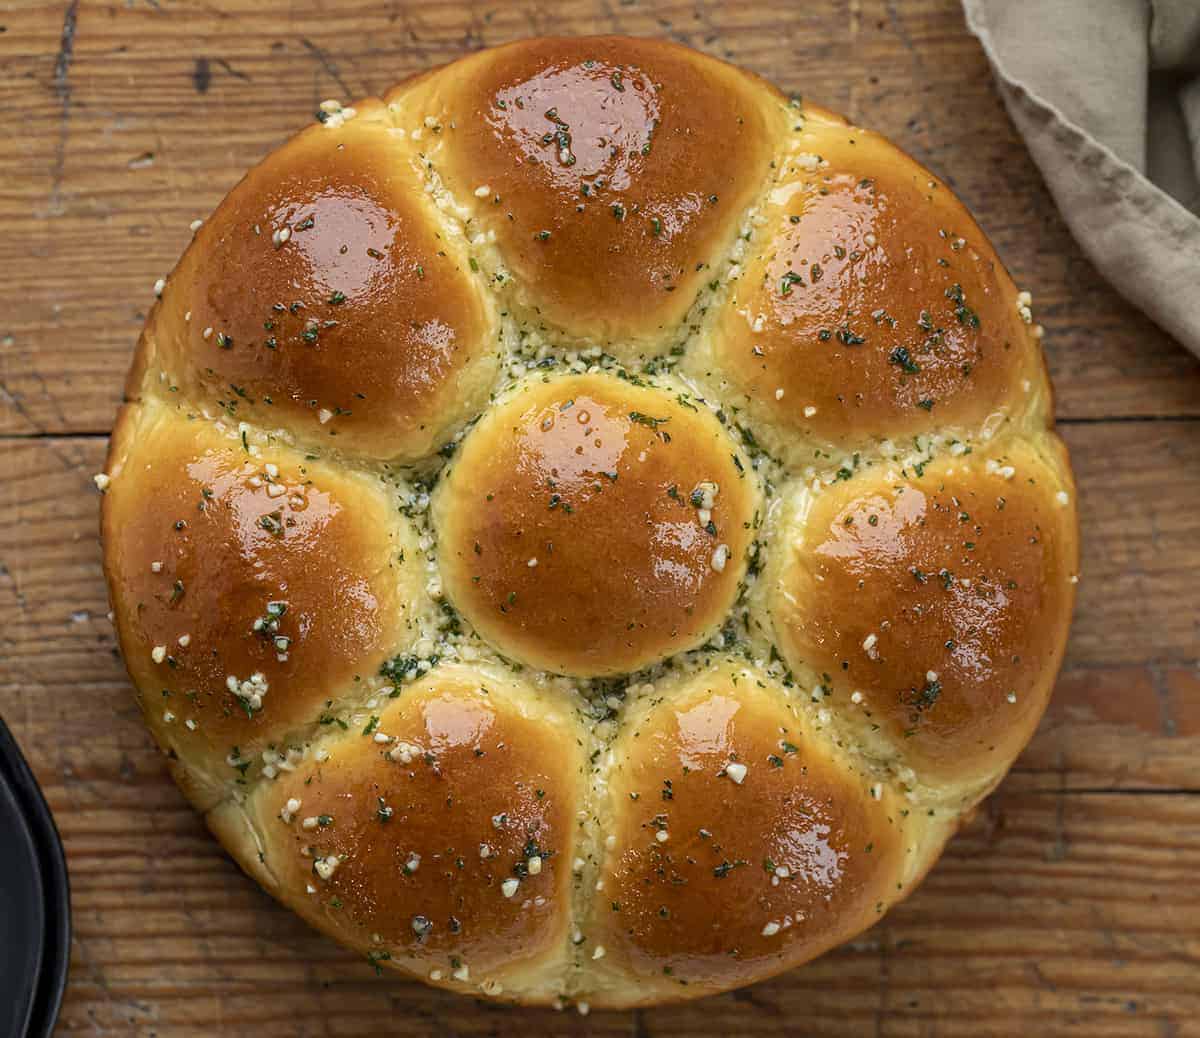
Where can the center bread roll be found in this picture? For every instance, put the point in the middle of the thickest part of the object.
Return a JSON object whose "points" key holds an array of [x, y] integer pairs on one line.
{"points": [[591, 526]]}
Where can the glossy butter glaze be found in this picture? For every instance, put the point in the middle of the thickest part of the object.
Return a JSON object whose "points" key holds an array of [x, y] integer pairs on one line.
{"points": [[792, 847], [320, 296], [934, 606], [573, 528], [221, 571], [616, 171], [464, 793], [873, 306]]}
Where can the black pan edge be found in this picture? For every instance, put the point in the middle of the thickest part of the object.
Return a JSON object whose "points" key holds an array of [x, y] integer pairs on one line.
{"points": [[52, 866]]}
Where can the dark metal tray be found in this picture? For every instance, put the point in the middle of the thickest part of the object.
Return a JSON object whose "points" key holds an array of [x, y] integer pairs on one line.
{"points": [[35, 906]]}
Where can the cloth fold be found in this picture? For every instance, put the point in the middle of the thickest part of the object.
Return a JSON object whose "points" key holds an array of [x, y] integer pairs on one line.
{"points": [[1106, 94]]}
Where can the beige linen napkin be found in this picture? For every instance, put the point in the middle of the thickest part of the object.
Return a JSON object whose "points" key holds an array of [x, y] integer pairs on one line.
{"points": [[1107, 96]]}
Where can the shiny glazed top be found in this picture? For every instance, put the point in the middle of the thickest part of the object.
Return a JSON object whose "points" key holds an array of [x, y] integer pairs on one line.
{"points": [[585, 529], [873, 306], [795, 839], [929, 604], [468, 777], [254, 587], [615, 172], [320, 296]]}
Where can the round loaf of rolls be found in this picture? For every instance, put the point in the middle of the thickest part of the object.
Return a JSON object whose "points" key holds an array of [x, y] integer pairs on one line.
{"points": [[586, 528]]}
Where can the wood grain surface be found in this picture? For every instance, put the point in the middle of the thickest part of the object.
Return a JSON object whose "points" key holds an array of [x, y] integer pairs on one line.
{"points": [[1071, 905]]}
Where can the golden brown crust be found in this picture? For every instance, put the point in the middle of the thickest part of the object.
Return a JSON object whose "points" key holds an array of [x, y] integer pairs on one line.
{"points": [[873, 305], [719, 875], [939, 601], [589, 526], [224, 564], [436, 838], [616, 171], [364, 325], [546, 797]]}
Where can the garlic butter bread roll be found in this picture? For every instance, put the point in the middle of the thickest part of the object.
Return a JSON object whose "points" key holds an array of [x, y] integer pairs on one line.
{"points": [[585, 528]]}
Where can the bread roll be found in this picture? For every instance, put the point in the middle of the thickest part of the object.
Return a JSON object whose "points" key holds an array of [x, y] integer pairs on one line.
{"points": [[744, 838], [253, 586], [585, 528], [324, 298], [930, 601], [607, 173], [871, 306], [441, 841], [593, 527]]}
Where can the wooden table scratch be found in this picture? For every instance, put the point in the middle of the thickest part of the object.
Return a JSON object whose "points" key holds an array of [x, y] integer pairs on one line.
{"points": [[1069, 906]]}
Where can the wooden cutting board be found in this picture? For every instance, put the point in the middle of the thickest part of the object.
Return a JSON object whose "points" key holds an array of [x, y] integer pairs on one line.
{"points": [[1071, 905]]}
